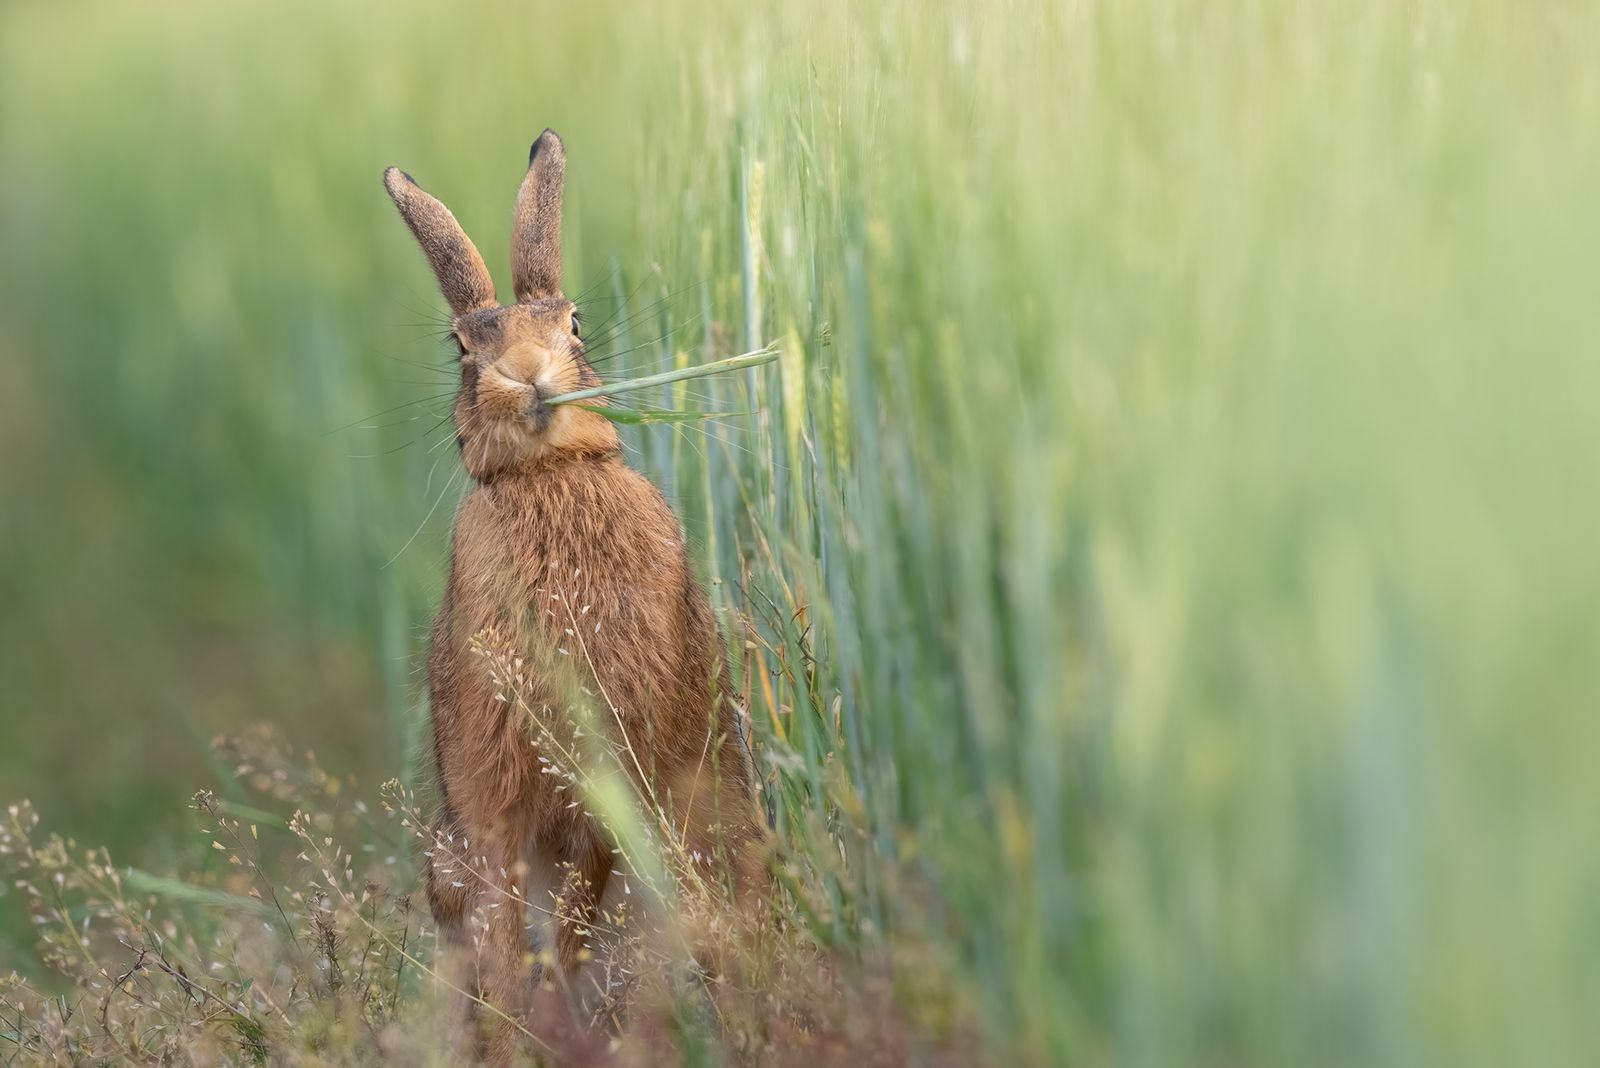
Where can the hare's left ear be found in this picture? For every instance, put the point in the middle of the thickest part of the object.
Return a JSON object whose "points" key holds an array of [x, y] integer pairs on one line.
{"points": [[536, 233]]}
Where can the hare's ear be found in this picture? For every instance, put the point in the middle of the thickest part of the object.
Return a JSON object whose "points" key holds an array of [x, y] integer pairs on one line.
{"points": [[536, 234], [462, 276]]}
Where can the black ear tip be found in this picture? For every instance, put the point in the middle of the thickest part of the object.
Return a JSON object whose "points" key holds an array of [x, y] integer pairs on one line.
{"points": [[392, 176], [549, 141]]}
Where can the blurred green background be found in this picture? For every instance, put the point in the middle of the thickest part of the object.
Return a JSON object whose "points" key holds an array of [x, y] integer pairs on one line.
{"points": [[1178, 490]]}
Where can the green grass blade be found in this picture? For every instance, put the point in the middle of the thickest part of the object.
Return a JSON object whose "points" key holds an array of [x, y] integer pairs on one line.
{"points": [[646, 416], [732, 363], [186, 893]]}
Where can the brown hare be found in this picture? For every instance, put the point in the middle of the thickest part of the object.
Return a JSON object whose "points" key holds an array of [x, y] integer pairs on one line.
{"points": [[554, 513]]}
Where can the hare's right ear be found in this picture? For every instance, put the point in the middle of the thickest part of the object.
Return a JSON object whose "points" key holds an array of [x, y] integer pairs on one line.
{"points": [[462, 276], [536, 231]]}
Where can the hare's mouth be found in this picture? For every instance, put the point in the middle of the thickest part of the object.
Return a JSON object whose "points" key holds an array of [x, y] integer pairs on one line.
{"points": [[538, 413]]}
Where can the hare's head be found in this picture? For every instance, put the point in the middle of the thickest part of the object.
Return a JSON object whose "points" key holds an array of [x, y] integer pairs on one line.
{"points": [[513, 357]]}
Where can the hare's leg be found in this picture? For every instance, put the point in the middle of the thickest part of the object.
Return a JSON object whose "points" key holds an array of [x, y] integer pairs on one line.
{"points": [[450, 890], [579, 931], [590, 860], [543, 887], [550, 902], [504, 964], [621, 922]]}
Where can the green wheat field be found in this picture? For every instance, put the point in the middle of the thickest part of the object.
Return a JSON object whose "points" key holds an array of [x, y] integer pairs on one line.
{"points": [[1163, 566]]}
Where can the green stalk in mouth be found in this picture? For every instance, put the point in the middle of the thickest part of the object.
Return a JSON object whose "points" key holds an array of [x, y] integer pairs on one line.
{"points": [[732, 363]]}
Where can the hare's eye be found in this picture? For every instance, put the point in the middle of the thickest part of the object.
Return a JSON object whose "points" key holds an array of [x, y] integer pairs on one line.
{"points": [[461, 347], [575, 325]]}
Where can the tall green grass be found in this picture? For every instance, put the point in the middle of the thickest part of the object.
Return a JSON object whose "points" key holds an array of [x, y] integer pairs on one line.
{"points": [[1169, 533]]}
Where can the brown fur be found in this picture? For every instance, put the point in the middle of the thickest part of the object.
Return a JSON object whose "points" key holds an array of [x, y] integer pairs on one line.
{"points": [[536, 235], [556, 523]]}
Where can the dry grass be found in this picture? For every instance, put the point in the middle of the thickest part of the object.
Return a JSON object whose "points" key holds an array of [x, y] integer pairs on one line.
{"points": [[314, 945]]}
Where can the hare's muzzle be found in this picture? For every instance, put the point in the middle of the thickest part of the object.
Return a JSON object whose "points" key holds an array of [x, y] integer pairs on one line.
{"points": [[538, 412]]}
